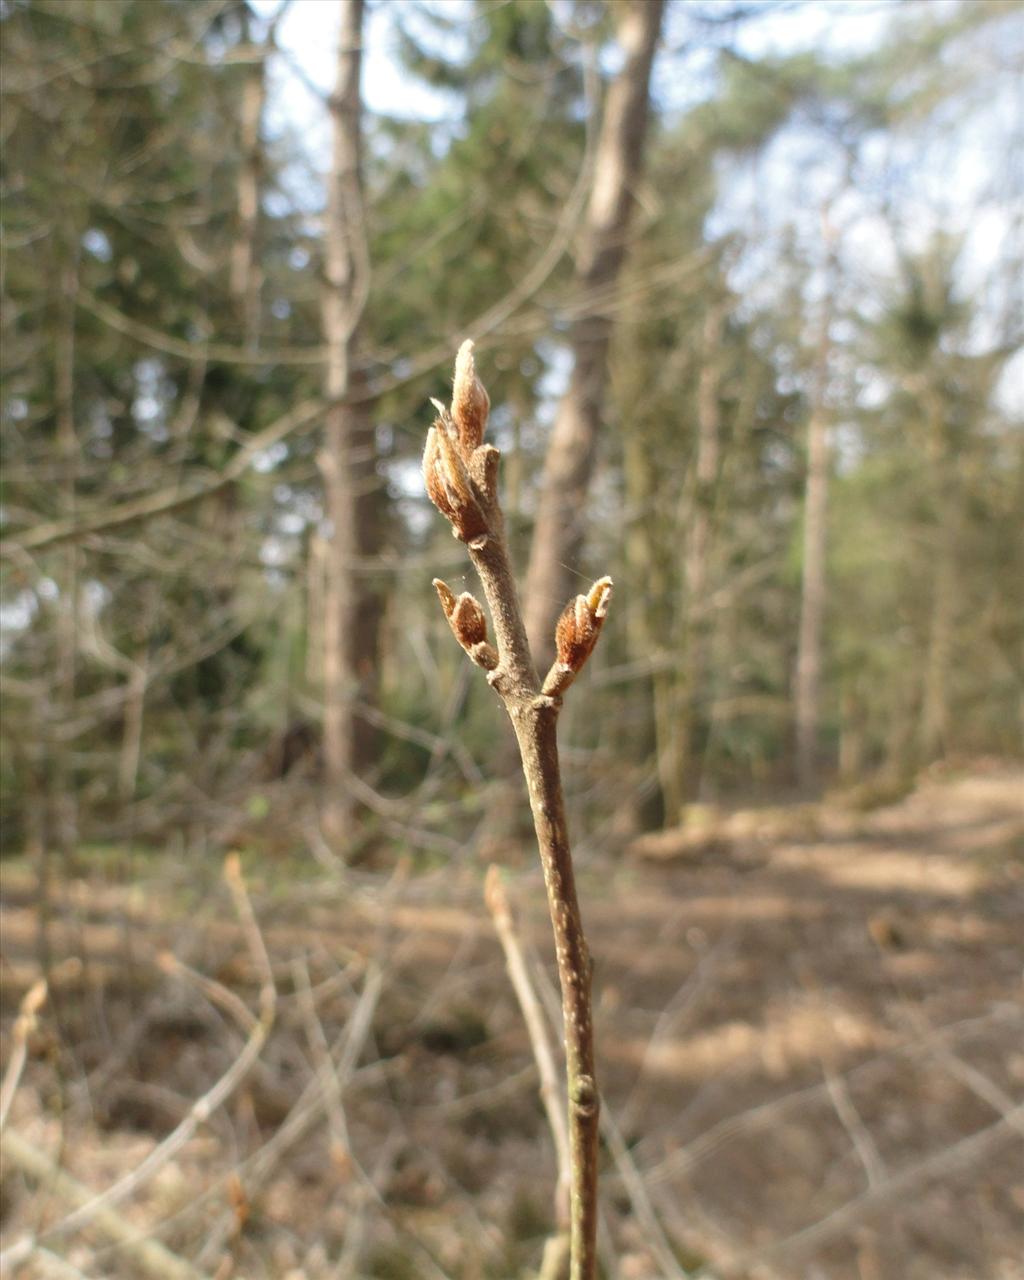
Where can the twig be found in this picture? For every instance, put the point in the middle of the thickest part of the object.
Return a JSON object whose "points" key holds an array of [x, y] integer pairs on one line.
{"points": [[149, 1255], [890, 1190], [164, 501], [630, 1176], [323, 1063], [969, 1076], [849, 1117], [668, 1022], [724, 1131], [303, 1117], [213, 990], [533, 1015], [842, 1103], [24, 1025], [983, 1087], [203, 1107], [647, 1218], [54, 1265], [556, 1257], [461, 475]]}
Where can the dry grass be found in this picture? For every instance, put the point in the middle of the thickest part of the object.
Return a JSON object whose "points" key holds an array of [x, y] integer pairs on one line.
{"points": [[811, 1045]]}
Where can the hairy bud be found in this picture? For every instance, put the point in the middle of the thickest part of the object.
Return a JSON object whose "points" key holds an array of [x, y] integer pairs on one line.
{"points": [[470, 402], [576, 634], [580, 623], [445, 595], [483, 468], [468, 623], [448, 484]]}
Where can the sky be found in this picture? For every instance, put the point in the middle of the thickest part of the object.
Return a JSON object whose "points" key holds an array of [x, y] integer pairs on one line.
{"points": [[958, 171], [307, 34]]}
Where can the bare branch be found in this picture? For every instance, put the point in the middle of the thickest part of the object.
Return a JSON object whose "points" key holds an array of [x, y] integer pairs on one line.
{"points": [[201, 1110], [164, 501], [889, 1190], [533, 1015], [149, 1255], [25, 1023], [461, 476]]}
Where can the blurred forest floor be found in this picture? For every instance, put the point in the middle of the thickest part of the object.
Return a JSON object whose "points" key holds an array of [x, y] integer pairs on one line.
{"points": [[809, 1028]]}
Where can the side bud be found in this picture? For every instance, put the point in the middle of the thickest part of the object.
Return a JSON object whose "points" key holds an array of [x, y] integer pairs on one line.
{"points": [[576, 634], [468, 623], [470, 402]]}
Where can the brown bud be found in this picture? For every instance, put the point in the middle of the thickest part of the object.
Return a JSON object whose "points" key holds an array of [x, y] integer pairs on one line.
{"points": [[470, 401], [446, 596], [599, 597], [468, 623], [436, 490], [483, 468], [580, 623], [448, 484]]}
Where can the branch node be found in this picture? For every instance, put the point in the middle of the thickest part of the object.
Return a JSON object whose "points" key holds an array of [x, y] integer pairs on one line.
{"points": [[584, 1095], [484, 655]]}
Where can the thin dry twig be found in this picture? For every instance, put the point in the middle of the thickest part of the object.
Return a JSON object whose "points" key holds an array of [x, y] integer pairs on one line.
{"points": [[53, 1264], [152, 1258], [533, 1015], [164, 501], [25, 1023], [341, 1065], [461, 476], [685, 1158], [654, 1234], [890, 1190], [214, 991], [630, 1176], [216, 1095], [672, 1017], [849, 1117]]}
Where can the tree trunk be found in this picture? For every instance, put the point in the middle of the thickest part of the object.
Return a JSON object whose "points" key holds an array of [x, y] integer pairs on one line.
{"points": [[807, 683], [64, 793], [558, 533], [347, 462], [852, 735], [316, 572], [648, 625], [935, 699], [246, 278], [933, 729], [696, 617], [131, 735]]}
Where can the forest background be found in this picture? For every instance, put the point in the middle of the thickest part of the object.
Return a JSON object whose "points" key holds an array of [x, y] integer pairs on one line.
{"points": [[777, 394]]}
